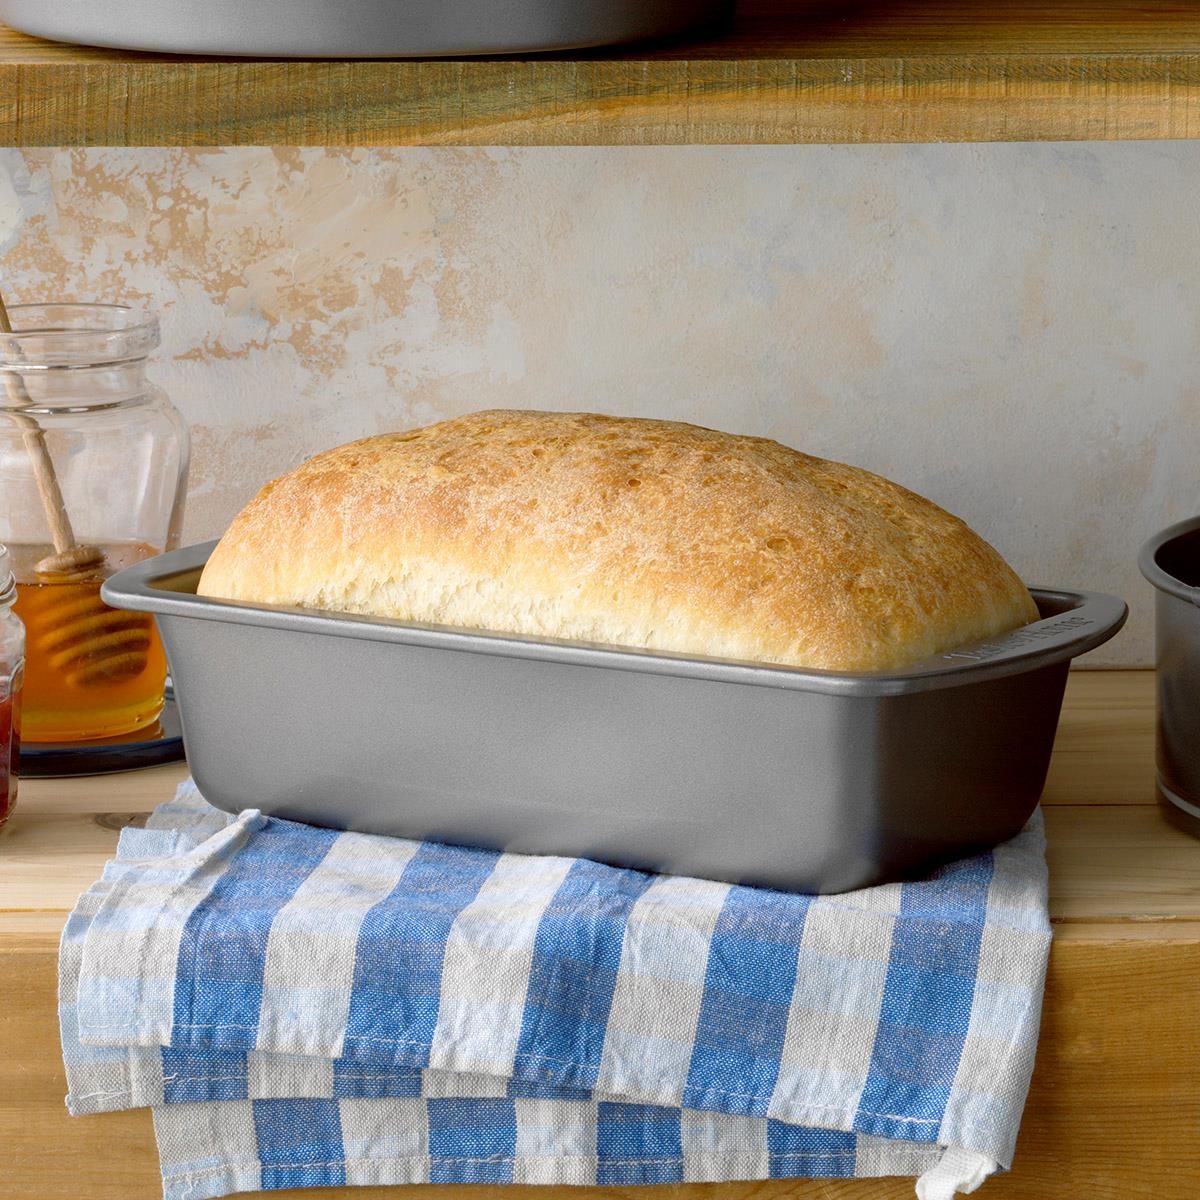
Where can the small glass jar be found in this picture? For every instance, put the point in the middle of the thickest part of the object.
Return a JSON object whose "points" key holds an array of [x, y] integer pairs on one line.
{"points": [[85, 435], [12, 661]]}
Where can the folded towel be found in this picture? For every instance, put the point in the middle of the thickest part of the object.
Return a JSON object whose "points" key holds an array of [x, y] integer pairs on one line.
{"points": [[307, 1007]]}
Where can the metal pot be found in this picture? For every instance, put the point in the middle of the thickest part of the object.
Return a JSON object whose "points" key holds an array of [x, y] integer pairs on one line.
{"points": [[1171, 562]]}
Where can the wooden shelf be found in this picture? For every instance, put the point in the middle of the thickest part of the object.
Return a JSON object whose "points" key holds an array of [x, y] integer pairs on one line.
{"points": [[788, 71], [1111, 1114]]}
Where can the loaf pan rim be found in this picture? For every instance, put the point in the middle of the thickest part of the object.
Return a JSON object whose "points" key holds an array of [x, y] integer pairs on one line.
{"points": [[1079, 621]]}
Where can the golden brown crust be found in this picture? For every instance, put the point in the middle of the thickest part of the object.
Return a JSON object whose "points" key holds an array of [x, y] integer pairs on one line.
{"points": [[630, 532]]}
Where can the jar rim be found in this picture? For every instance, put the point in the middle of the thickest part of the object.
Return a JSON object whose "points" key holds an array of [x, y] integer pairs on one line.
{"points": [[76, 334]]}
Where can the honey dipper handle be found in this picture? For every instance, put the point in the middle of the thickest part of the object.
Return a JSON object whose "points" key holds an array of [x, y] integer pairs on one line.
{"points": [[34, 437]]}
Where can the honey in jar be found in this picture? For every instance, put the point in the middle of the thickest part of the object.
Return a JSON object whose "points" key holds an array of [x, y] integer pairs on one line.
{"points": [[90, 671], [93, 474]]}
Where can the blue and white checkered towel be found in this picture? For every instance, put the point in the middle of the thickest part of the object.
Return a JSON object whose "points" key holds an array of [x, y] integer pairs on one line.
{"points": [[306, 1007]]}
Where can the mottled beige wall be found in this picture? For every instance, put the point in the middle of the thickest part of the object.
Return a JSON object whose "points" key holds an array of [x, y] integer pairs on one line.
{"points": [[1013, 330]]}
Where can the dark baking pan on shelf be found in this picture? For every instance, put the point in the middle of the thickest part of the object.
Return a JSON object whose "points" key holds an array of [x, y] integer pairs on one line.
{"points": [[794, 779], [359, 28]]}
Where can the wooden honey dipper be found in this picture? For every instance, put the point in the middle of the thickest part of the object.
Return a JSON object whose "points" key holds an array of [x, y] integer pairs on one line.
{"points": [[78, 634]]}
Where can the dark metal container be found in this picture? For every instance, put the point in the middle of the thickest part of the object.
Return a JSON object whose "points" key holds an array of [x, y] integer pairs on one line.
{"points": [[358, 28], [1171, 562], [802, 780]]}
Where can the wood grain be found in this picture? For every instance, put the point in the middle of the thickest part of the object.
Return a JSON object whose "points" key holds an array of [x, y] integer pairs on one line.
{"points": [[1111, 864], [1111, 1114], [867, 71], [1104, 752]]}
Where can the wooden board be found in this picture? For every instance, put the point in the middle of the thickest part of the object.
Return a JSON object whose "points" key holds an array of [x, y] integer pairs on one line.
{"points": [[1114, 1112], [1104, 752], [788, 71]]}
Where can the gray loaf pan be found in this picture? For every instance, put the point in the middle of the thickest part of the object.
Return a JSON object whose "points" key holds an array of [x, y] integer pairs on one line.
{"points": [[1171, 562], [793, 779], [357, 28]]}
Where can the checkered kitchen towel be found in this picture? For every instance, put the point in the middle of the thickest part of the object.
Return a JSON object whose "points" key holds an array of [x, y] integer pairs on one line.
{"points": [[307, 1007]]}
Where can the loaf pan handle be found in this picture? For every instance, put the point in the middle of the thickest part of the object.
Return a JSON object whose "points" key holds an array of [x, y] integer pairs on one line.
{"points": [[1076, 623], [150, 585]]}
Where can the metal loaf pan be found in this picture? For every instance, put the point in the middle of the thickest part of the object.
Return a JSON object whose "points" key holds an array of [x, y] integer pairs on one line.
{"points": [[1171, 562], [358, 28], [800, 780]]}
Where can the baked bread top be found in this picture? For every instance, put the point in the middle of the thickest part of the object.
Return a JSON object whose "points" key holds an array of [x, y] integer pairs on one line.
{"points": [[630, 532]]}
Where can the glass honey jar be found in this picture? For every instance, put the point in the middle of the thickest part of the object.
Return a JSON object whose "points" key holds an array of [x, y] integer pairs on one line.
{"points": [[93, 469], [12, 662]]}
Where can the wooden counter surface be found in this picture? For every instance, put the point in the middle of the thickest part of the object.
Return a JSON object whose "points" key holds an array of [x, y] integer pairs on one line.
{"points": [[1114, 1113]]}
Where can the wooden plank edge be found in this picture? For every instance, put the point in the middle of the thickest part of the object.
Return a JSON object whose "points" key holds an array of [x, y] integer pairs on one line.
{"points": [[597, 102]]}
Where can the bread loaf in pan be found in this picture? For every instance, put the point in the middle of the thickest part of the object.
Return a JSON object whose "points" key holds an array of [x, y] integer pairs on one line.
{"points": [[628, 532]]}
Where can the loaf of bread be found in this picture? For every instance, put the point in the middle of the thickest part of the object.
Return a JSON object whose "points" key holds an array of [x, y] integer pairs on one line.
{"points": [[628, 532]]}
